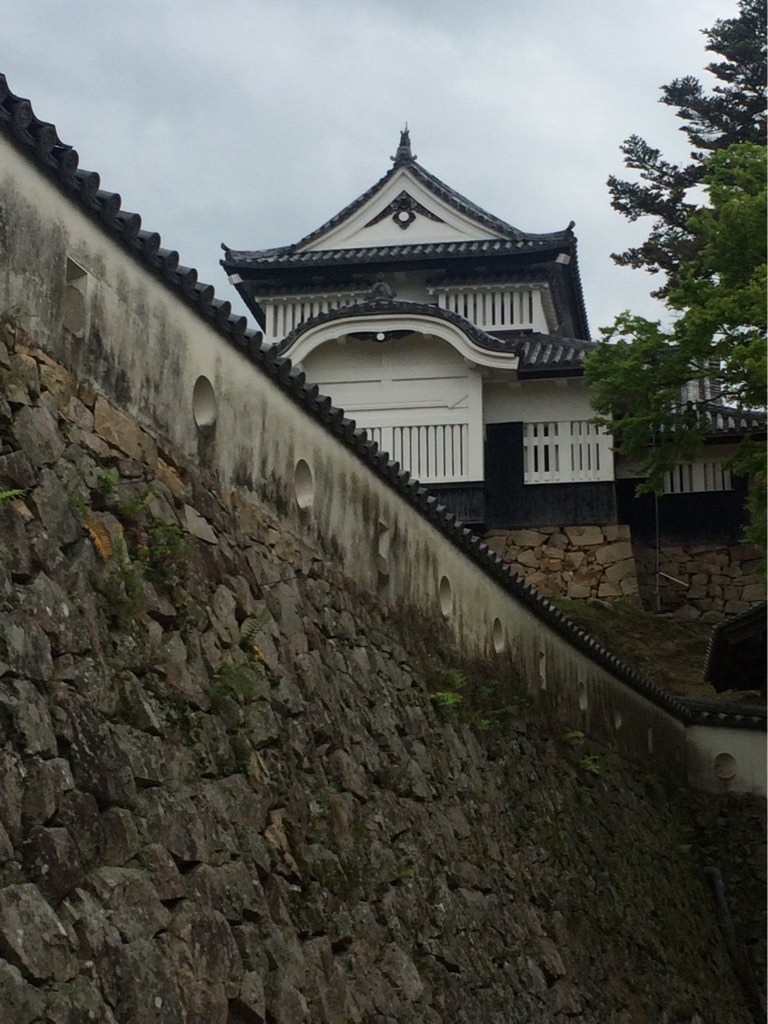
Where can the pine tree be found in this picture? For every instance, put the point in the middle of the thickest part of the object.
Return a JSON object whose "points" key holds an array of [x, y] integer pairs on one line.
{"points": [[733, 112]]}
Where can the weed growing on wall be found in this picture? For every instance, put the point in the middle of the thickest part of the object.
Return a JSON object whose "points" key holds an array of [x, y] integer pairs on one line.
{"points": [[8, 496], [482, 703]]}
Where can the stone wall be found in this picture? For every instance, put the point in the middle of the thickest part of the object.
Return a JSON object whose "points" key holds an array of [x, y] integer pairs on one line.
{"points": [[601, 562], [571, 561], [236, 789], [714, 581]]}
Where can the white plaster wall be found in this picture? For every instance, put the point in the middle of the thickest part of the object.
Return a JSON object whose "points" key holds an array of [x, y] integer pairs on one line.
{"points": [[145, 344], [415, 381], [746, 746], [533, 401]]}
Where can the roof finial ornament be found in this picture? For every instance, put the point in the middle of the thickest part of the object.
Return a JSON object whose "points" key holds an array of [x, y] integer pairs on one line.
{"points": [[403, 154]]}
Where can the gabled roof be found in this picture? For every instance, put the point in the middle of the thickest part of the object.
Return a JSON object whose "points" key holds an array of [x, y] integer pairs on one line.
{"points": [[510, 238]]}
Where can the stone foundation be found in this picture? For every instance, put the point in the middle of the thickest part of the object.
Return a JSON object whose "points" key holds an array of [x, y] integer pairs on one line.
{"points": [[715, 581], [572, 561], [601, 562]]}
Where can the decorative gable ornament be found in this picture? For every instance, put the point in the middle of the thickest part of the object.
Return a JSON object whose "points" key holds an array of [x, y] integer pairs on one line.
{"points": [[404, 209]]}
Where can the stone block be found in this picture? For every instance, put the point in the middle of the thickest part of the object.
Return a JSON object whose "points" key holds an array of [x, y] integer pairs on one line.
{"points": [[733, 606], [31, 936], [123, 433], [21, 1002], [574, 559], [614, 553], [197, 526], [753, 593], [622, 570], [528, 558], [618, 532], [608, 589], [52, 860], [37, 434], [497, 543], [584, 536], [558, 540], [577, 590], [17, 470], [527, 538], [712, 617], [686, 612]]}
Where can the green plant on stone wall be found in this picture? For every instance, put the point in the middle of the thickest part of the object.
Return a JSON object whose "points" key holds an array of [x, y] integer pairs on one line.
{"points": [[165, 553], [238, 680], [123, 588], [591, 763], [8, 496], [450, 696]]}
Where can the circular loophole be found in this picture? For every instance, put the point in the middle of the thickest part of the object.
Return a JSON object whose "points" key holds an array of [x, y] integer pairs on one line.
{"points": [[303, 485], [204, 406], [499, 641], [650, 741], [583, 699], [446, 596], [724, 766], [617, 719]]}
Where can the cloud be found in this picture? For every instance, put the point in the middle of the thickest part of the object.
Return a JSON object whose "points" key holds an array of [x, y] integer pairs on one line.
{"points": [[255, 122]]}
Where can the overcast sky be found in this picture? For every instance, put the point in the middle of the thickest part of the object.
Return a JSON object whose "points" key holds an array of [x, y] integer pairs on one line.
{"points": [[253, 122]]}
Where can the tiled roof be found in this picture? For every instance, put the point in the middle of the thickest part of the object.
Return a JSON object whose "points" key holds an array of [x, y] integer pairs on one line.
{"points": [[736, 653], [725, 419], [536, 352], [543, 352], [727, 714], [289, 255], [434, 185], [379, 307], [40, 144]]}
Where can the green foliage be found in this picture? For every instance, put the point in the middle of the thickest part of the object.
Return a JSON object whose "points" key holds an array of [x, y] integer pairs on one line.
{"points": [[106, 484], [734, 112], [718, 341], [591, 763], [451, 696], [165, 553], [8, 496], [131, 508], [238, 680], [123, 588], [574, 738], [477, 701]]}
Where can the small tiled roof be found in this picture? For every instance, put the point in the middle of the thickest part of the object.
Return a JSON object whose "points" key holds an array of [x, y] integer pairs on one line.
{"points": [[536, 352], [725, 419], [736, 653], [542, 352], [379, 307], [727, 714], [38, 141], [290, 255]]}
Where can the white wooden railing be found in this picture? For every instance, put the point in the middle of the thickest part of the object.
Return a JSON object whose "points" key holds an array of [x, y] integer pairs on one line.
{"points": [[284, 313], [491, 307], [433, 453], [688, 477], [566, 451]]}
